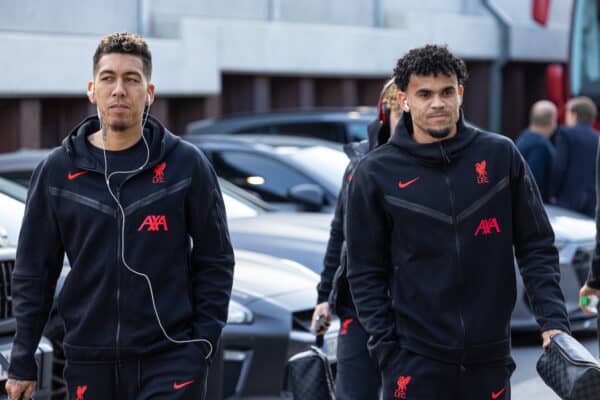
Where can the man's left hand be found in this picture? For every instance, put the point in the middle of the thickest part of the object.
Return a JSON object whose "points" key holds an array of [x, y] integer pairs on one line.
{"points": [[547, 335]]}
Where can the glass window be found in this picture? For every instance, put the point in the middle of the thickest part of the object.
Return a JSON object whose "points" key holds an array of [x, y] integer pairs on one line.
{"points": [[325, 163], [585, 50], [358, 130], [268, 178], [11, 215], [237, 209], [331, 131]]}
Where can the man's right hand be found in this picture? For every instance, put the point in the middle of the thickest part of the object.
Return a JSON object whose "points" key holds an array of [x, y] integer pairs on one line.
{"points": [[16, 388], [321, 311], [587, 291]]}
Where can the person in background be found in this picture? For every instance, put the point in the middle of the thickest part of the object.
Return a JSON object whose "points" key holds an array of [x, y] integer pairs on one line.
{"points": [[573, 180], [357, 377], [535, 146]]}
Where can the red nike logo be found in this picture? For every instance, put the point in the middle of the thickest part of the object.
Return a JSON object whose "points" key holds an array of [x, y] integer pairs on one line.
{"points": [[497, 394], [407, 184], [178, 386], [76, 174]]}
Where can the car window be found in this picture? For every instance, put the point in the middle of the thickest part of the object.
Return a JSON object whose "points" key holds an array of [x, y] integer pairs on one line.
{"points": [[358, 130], [255, 129], [11, 215], [236, 209], [332, 131], [328, 165], [269, 178]]}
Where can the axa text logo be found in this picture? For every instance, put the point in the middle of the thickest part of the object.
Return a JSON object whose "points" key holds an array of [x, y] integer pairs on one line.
{"points": [[486, 226], [153, 223]]}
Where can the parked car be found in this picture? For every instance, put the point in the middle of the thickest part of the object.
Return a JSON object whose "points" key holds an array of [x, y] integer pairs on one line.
{"points": [[44, 353], [342, 125], [267, 323], [302, 237], [289, 173]]}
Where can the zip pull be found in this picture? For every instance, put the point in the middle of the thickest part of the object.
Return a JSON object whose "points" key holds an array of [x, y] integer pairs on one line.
{"points": [[444, 154]]}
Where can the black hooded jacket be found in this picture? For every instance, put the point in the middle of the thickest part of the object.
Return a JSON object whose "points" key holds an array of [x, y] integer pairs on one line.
{"points": [[431, 230], [175, 232], [333, 286]]}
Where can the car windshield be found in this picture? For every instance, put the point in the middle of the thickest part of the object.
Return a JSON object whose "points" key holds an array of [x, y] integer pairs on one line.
{"points": [[12, 189], [11, 215], [325, 163], [236, 208]]}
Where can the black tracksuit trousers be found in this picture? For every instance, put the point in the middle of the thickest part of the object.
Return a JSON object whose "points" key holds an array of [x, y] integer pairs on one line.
{"points": [[357, 375], [174, 375], [410, 376]]}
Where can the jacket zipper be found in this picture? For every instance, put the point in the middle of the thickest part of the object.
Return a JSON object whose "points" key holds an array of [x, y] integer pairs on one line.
{"points": [[119, 262], [458, 253], [118, 332]]}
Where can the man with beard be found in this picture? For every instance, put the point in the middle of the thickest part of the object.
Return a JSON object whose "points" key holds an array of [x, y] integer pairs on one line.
{"points": [[432, 220], [139, 214]]}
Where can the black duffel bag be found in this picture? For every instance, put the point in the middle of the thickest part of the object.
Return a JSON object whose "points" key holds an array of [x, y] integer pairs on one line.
{"points": [[569, 369], [309, 376]]}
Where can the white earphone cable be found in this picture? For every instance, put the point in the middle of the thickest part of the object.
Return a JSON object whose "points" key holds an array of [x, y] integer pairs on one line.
{"points": [[107, 177]]}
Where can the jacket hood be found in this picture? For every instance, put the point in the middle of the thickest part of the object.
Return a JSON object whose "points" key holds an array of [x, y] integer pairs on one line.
{"points": [[441, 152], [161, 142], [378, 132]]}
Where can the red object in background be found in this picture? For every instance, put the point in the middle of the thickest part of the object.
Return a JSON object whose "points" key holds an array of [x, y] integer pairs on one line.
{"points": [[540, 11], [556, 88]]}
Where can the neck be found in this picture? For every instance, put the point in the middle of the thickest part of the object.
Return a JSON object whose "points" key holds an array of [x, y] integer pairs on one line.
{"points": [[110, 140], [541, 130]]}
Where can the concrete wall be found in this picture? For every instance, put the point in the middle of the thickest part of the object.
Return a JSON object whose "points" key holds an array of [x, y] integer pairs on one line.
{"points": [[51, 43], [73, 17]]}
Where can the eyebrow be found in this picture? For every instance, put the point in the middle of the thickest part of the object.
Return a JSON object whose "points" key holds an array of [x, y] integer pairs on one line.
{"points": [[111, 72], [425, 90]]}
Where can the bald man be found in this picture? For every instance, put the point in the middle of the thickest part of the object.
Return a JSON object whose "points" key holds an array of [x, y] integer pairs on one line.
{"points": [[534, 143]]}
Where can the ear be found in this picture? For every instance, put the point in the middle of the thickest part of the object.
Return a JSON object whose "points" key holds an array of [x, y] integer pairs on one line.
{"points": [[150, 94], [403, 101], [461, 91], [90, 92]]}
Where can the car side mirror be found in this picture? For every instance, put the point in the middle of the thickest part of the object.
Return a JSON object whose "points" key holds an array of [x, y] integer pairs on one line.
{"points": [[309, 195]]}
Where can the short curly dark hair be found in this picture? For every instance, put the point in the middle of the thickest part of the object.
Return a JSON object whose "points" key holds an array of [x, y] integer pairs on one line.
{"points": [[125, 43], [429, 60]]}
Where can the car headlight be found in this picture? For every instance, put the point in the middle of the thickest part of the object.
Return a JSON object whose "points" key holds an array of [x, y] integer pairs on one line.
{"points": [[238, 314]]}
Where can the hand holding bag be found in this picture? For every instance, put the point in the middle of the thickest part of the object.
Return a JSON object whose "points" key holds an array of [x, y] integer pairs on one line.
{"points": [[569, 369]]}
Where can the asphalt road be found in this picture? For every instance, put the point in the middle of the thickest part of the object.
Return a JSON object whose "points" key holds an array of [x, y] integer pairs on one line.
{"points": [[525, 382]]}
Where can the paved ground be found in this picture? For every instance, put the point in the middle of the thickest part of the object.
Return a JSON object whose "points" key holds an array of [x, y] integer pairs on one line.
{"points": [[526, 384]]}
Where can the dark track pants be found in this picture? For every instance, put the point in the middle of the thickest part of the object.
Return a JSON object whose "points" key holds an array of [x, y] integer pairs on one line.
{"points": [[357, 375], [175, 375], [413, 377]]}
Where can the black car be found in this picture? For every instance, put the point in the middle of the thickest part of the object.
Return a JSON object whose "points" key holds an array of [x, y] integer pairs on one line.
{"points": [[9, 215], [342, 125], [288, 173]]}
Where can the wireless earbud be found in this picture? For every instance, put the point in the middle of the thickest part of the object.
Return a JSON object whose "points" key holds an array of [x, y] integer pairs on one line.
{"points": [[406, 106]]}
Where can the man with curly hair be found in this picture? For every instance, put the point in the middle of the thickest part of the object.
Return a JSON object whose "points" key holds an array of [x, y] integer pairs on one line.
{"points": [[139, 214], [432, 220]]}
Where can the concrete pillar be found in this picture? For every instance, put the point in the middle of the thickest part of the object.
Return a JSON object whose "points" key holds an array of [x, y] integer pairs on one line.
{"points": [[30, 123]]}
